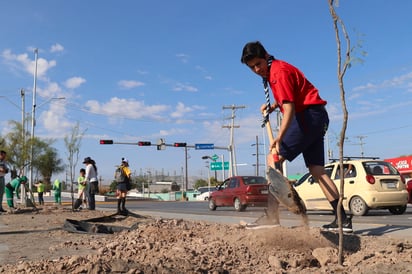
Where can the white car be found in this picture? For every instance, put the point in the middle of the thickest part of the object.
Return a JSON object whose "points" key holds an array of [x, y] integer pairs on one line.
{"points": [[204, 193], [204, 196]]}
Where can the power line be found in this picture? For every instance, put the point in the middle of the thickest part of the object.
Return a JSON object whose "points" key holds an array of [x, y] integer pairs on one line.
{"points": [[232, 126]]}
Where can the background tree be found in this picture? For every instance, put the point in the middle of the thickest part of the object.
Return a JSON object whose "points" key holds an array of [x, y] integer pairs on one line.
{"points": [[17, 150], [48, 162], [73, 143], [203, 182], [200, 183]]}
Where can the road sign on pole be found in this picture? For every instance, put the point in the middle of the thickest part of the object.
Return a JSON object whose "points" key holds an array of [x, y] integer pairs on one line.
{"points": [[204, 146], [218, 165], [215, 157]]}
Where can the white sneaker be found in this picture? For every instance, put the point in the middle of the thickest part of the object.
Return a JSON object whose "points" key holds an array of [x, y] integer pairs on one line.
{"points": [[262, 223]]}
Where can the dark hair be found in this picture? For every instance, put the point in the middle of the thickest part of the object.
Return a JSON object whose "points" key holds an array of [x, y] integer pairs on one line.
{"points": [[82, 170], [253, 50], [3, 152], [93, 162]]}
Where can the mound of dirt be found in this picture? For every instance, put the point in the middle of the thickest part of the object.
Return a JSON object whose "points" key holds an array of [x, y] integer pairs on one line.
{"points": [[37, 244]]}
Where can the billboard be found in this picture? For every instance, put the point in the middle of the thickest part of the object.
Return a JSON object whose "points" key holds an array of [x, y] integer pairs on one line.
{"points": [[403, 164]]}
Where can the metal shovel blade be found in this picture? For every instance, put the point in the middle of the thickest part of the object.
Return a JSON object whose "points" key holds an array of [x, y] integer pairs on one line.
{"points": [[282, 189]]}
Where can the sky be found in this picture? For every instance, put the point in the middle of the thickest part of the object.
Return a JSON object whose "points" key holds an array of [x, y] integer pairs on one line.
{"points": [[143, 70]]}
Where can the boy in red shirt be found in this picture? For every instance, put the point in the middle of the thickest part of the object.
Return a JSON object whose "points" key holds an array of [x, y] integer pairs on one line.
{"points": [[304, 123]]}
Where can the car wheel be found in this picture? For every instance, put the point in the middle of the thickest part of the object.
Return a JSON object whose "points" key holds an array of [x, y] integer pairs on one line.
{"points": [[238, 205], [358, 206], [397, 210], [212, 205]]}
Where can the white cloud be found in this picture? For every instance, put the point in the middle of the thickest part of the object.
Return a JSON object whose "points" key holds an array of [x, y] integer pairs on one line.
{"points": [[185, 87], [204, 72], [142, 72], [127, 108], [51, 89], [128, 84], [55, 120], [396, 82], [180, 111], [56, 48], [183, 57], [24, 63], [173, 131], [74, 82]]}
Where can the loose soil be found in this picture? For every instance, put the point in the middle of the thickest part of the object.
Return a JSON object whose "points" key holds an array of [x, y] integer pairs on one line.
{"points": [[37, 243]]}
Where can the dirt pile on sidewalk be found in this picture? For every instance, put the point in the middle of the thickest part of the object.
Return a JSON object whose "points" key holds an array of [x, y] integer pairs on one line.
{"points": [[37, 244]]}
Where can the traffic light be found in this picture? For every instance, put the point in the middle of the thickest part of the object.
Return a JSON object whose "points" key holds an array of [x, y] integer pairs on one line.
{"points": [[106, 142], [144, 143], [180, 144], [161, 144]]}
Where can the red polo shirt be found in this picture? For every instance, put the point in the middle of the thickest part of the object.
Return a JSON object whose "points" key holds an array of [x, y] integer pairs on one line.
{"points": [[289, 84]]}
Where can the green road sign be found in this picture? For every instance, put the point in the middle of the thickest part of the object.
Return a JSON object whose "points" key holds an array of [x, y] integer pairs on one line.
{"points": [[218, 166], [215, 157]]}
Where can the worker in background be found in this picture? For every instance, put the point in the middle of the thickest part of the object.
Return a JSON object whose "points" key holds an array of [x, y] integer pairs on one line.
{"points": [[14, 186], [57, 188], [40, 191]]}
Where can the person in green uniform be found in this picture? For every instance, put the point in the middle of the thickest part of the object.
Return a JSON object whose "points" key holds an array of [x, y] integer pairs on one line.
{"points": [[57, 188], [14, 186]]}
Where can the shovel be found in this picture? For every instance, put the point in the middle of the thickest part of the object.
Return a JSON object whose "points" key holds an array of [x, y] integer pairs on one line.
{"points": [[279, 185]]}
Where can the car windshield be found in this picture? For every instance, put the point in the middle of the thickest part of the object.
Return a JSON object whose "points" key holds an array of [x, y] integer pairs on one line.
{"points": [[380, 168], [204, 189], [256, 180], [302, 179]]}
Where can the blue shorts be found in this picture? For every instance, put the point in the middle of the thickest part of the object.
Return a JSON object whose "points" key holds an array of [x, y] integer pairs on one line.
{"points": [[305, 135]]}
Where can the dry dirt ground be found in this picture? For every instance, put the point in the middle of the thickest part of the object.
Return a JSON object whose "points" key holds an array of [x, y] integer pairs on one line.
{"points": [[37, 243]]}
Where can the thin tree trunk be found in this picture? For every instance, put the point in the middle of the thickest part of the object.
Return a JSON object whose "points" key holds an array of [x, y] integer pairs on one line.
{"points": [[342, 66]]}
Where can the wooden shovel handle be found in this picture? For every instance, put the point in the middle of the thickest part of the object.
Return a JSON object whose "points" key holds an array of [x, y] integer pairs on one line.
{"points": [[271, 140]]}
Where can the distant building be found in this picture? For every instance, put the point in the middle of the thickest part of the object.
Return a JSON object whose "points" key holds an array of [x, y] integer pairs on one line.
{"points": [[159, 187]]}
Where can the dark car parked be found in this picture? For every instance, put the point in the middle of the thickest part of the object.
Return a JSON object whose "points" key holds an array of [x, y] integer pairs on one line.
{"points": [[240, 192]]}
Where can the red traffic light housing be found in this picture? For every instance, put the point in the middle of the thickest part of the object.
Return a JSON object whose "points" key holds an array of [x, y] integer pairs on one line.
{"points": [[106, 142], [144, 143], [180, 144]]}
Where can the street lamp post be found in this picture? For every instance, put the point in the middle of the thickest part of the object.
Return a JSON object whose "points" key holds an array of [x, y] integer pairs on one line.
{"points": [[33, 115], [214, 160], [33, 112]]}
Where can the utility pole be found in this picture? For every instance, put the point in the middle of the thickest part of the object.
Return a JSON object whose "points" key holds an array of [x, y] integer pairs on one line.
{"points": [[361, 143], [257, 155], [233, 166]]}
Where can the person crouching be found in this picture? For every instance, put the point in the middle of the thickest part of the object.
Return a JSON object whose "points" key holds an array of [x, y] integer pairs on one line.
{"points": [[11, 187]]}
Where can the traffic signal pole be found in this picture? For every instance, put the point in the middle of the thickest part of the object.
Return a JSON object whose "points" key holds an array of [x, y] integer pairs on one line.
{"points": [[162, 145]]}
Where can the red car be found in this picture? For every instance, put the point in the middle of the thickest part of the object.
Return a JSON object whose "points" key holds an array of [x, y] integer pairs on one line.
{"points": [[240, 192], [409, 188]]}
